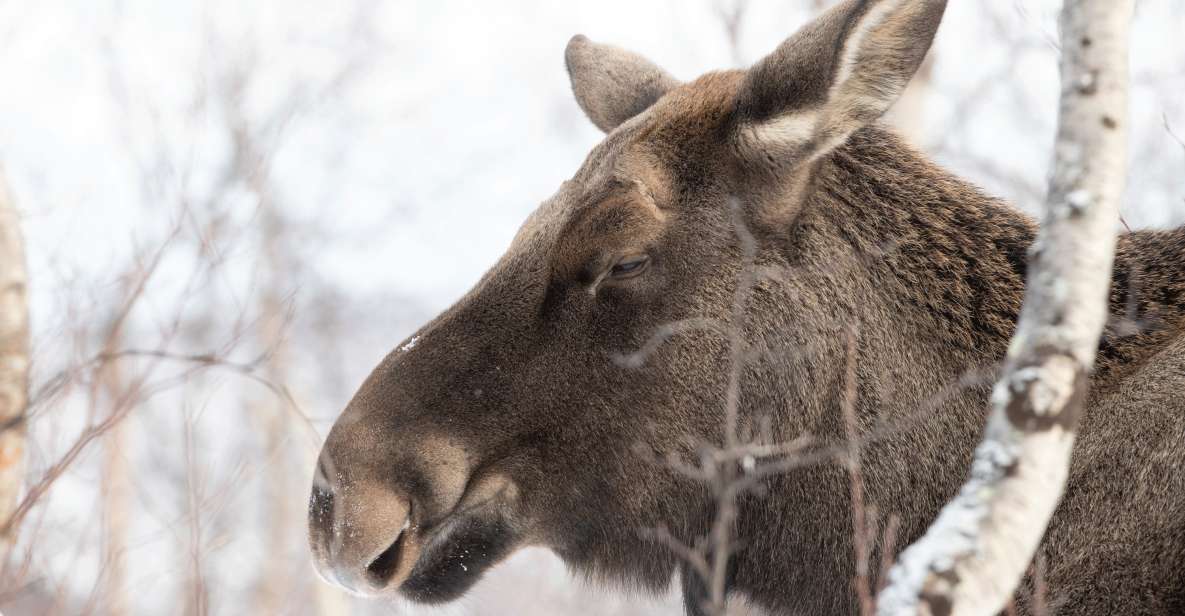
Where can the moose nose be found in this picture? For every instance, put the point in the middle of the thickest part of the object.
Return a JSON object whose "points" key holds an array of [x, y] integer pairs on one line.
{"points": [[358, 533]]}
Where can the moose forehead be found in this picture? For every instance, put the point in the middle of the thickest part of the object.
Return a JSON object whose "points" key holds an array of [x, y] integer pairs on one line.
{"points": [[624, 193], [617, 201]]}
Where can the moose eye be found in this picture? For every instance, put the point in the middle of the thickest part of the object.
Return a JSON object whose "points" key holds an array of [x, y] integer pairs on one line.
{"points": [[629, 267]]}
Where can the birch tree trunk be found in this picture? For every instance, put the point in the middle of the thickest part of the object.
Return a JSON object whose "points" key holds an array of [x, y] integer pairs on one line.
{"points": [[274, 588], [973, 556], [14, 358], [115, 491]]}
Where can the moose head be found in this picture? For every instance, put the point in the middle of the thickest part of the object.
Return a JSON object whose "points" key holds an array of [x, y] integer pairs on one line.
{"points": [[514, 418]]}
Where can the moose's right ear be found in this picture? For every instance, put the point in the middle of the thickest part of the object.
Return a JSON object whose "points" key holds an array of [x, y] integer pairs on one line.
{"points": [[611, 84], [834, 76]]}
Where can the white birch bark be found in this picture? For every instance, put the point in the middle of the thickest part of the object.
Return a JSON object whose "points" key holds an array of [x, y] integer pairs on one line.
{"points": [[975, 553]]}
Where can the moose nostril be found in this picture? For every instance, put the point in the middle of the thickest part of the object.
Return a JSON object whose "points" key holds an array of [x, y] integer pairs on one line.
{"points": [[383, 567], [360, 534]]}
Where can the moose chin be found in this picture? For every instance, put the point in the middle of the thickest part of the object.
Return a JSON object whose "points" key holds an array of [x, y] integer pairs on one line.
{"points": [[510, 420]]}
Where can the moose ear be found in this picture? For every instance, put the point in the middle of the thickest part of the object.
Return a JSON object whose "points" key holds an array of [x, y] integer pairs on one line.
{"points": [[836, 75], [611, 84]]}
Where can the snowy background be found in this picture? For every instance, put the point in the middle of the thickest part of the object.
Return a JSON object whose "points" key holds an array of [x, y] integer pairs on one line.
{"points": [[233, 210]]}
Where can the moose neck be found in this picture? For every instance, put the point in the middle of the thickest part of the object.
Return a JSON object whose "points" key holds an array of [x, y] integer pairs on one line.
{"points": [[925, 274], [930, 269], [925, 270]]}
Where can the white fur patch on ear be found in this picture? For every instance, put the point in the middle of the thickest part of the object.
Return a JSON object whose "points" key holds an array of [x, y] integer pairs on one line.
{"points": [[855, 41], [879, 56], [839, 73], [781, 135]]}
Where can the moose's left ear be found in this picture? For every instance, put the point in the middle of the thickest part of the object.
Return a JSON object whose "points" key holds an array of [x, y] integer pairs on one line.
{"points": [[839, 73], [611, 84]]}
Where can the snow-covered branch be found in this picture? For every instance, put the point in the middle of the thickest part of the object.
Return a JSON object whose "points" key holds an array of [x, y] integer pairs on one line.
{"points": [[976, 551]]}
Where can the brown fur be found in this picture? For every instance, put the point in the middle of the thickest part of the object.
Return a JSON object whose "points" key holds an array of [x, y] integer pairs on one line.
{"points": [[506, 421]]}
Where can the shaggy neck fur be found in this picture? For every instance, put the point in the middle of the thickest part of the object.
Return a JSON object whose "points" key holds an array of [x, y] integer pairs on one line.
{"points": [[927, 274]]}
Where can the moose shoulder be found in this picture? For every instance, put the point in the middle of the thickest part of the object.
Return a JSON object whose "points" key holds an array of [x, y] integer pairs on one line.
{"points": [[510, 419]]}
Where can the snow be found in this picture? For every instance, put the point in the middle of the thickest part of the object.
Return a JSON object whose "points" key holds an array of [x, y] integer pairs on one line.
{"points": [[410, 344]]}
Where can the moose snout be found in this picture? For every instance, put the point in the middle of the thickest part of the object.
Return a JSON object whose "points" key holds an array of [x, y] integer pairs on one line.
{"points": [[360, 535]]}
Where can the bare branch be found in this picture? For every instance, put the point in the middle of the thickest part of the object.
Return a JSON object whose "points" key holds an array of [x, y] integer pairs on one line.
{"points": [[1168, 127], [690, 555], [860, 535], [732, 17]]}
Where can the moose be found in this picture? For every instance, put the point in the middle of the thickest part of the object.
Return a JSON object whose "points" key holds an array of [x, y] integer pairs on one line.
{"points": [[511, 420]]}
